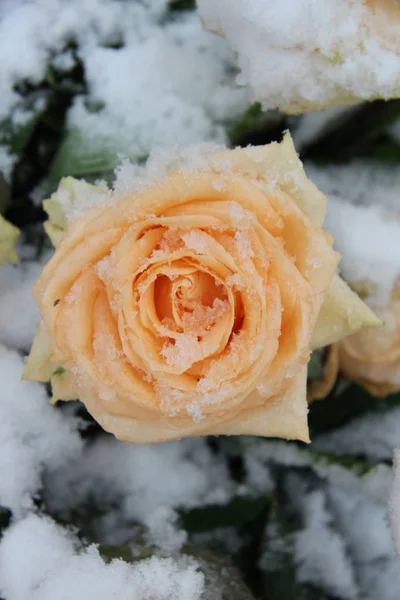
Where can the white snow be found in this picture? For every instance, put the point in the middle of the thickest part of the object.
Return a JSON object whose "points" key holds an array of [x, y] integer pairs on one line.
{"points": [[363, 523], [34, 437], [341, 538], [147, 483], [375, 483], [31, 32], [318, 546], [148, 78], [55, 566], [161, 162], [131, 177], [7, 160], [300, 53], [362, 183], [373, 435], [365, 520], [156, 91], [364, 218], [18, 311]]}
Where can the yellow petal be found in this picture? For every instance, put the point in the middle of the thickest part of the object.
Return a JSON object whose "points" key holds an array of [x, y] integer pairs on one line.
{"points": [[66, 195], [62, 387], [38, 366], [55, 211], [8, 236], [342, 313], [55, 234], [278, 164]]}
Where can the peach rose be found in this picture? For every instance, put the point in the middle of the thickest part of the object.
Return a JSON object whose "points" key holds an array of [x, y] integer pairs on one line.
{"points": [[384, 22], [373, 359], [391, 8], [188, 305]]}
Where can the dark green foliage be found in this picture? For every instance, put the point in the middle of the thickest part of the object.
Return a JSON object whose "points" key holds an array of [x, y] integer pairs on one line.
{"points": [[359, 132], [235, 514], [256, 127], [343, 405], [182, 4]]}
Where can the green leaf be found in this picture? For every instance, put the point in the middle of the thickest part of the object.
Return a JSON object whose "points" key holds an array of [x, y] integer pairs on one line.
{"points": [[182, 4], [387, 151], [77, 158], [16, 137], [359, 132], [58, 372], [337, 410], [238, 512], [256, 126], [62, 84], [16, 133], [358, 466]]}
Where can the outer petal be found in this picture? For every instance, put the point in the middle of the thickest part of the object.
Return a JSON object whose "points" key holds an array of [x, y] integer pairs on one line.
{"points": [[342, 313], [285, 416], [38, 366], [63, 201], [62, 387], [277, 165]]}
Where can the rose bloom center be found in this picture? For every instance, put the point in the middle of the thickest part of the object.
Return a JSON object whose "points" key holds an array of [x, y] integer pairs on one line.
{"points": [[191, 308]]}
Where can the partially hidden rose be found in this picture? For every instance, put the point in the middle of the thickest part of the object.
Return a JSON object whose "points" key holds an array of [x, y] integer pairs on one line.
{"points": [[370, 358], [328, 53], [189, 303], [373, 361], [383, 22]]}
